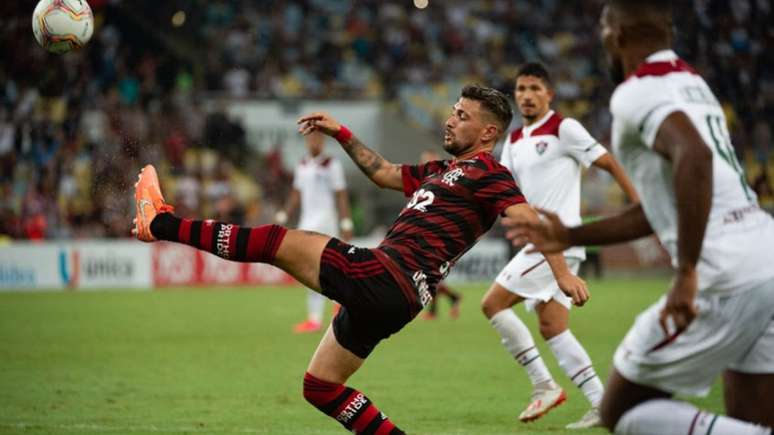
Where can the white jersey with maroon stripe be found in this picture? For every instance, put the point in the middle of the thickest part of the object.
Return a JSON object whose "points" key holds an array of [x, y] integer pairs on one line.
{"points": [[545, 159], [736, 252], [318, 179]]}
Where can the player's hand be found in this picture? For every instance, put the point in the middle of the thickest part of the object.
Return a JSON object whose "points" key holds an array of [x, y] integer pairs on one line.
{"points": [[346, 236], [548, 234], [318, 121], [575, 288], [680, 306]]}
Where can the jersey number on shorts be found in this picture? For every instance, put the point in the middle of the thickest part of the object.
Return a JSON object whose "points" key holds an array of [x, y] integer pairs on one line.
{"points": [[421, 199], [720, 137]]}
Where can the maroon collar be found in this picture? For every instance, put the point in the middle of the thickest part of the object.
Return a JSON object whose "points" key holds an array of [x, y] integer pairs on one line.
{"points": [[661, 68]]}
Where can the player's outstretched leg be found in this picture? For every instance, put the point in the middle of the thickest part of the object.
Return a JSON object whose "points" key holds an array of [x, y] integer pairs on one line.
{"points": [[518, 341], [572, 358], [296, 252], [324, 388]]}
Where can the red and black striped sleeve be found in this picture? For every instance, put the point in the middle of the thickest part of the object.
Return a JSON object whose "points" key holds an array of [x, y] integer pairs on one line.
{"points": [[497, 189], [413, 175]]}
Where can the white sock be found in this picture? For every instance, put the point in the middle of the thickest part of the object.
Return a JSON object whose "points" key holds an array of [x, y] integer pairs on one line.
{"points": [[575, 362], [315, 304], [518, 341], [662, 416]]}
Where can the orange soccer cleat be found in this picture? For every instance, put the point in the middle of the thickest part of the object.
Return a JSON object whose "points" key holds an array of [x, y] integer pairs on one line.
{"points": [[149, 202], [307, 326]]}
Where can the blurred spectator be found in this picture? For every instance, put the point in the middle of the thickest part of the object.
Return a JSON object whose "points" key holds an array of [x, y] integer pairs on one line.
{"points": [[72, 126], [762, 187]]}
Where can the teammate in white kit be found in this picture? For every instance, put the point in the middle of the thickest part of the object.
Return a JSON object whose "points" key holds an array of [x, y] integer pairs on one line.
{"points": [[546, 157], [718, 316], [320, 189]]}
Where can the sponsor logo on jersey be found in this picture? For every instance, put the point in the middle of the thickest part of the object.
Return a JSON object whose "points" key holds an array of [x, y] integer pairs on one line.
{"points": [[444, 269], [451, 177], [420, 283], [541, 146], [224, 234]]}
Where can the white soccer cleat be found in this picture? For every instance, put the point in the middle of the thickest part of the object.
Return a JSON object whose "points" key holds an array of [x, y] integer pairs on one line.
{"points": [[590, 419], [543, 400]]}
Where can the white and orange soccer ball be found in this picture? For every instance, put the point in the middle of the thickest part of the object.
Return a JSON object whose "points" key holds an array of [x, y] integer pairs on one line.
{"points": [[62, 25]]}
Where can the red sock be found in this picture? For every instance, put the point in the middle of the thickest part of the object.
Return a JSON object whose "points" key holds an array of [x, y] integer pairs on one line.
{"points": [[228, 241], [349, 407]]}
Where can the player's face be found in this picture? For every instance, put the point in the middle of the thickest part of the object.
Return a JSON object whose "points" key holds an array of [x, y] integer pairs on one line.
{"points": [[610, 36], [464, 127], [533, 97], [315, 142]]}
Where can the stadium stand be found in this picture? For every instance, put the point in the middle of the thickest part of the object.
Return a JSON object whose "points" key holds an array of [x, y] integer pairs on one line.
{"points": [[72, 128]]}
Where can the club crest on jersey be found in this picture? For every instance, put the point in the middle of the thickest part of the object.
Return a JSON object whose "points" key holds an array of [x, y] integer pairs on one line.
{"points": [[540, 147], [451, 177]]}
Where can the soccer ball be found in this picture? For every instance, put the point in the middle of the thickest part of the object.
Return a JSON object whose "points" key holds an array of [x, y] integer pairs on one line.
{"points": [[62, 25]]}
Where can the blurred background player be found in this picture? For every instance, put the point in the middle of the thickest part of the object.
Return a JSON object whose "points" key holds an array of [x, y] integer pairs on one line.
{"points": [[441, 289], [545, 156], [670, 133], [320, 190]]}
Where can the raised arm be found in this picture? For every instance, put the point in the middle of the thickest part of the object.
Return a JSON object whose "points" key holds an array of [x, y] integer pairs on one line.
{"points": [[374, 166], [609, 164]]}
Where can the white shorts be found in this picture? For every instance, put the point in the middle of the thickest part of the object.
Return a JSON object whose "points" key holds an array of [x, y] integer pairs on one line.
{"points": [[530, 276], [732, 331]]}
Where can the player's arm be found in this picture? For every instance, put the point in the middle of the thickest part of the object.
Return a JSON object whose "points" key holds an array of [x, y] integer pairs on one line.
{"points": [[549, 234], [609, 164], [570, 284], [679, 142], [345, 216], [291, 205], [382, 172]]}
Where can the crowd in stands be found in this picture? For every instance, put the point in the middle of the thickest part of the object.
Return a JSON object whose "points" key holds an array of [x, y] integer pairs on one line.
{"points": [[74, 128]]}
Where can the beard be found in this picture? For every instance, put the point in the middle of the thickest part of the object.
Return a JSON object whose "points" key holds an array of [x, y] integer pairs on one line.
{"points": [[454, 147], [615, 70]]}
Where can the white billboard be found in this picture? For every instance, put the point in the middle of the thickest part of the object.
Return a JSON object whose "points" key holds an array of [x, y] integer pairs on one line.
{"points": [[27, 266]]}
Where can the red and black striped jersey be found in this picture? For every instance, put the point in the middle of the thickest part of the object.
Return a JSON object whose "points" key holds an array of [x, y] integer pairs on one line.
{"points": [[453, 203]]}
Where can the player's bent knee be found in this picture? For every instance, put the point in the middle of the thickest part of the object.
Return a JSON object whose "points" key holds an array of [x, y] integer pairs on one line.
{"points": [[496, 300], [318, 392], [490, 306], [550, 328]]}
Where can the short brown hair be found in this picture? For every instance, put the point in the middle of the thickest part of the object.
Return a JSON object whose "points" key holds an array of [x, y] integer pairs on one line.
{"points": [[493, 101]]}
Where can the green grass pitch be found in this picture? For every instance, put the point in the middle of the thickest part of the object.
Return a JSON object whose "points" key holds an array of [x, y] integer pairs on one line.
{"points": [[225, 361]]}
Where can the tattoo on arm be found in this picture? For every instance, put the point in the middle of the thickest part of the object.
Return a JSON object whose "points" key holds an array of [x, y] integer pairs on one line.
{"points": [[368, 160]]}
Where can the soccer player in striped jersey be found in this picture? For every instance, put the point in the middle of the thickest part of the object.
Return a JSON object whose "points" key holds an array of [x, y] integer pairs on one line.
{"points": [[546, 156], [669, 130], [452, 203], [441, 288]]}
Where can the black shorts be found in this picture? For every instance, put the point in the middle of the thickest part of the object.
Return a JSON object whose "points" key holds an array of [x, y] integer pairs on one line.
{"points": [[374, 302]]}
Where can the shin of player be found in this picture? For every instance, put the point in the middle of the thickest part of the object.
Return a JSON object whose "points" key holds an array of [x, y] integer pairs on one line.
{"points": [[546, 156]]}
